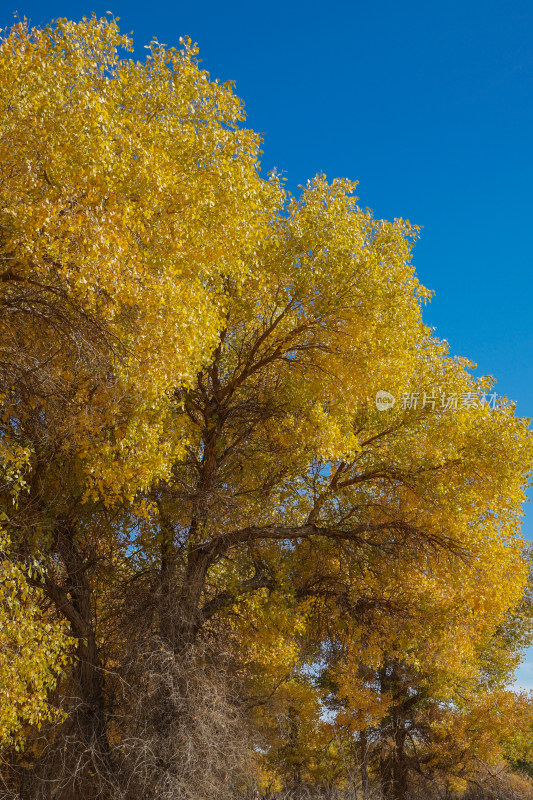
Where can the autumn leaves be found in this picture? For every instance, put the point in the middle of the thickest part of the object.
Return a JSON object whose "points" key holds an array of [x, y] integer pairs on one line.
{"points": [[189, 362]]}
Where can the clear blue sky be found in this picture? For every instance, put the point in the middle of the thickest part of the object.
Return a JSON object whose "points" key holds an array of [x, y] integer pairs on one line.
{"points": [[429, 106]]}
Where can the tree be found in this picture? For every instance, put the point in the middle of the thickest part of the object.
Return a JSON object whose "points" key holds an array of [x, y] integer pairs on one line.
{"points": [[426, 699], [129, 194], [191, 361]]}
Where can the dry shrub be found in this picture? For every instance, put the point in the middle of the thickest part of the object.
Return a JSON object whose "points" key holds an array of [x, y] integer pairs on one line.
{"points": [[177, 733], [183, 736], [499, 783]]}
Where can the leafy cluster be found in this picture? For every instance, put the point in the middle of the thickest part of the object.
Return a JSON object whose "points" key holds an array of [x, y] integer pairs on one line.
{"points": [[223, 567]]}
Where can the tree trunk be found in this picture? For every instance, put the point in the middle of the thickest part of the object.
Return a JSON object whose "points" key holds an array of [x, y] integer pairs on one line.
{"points": [[393, 763], [89, 716], [363, 745]]}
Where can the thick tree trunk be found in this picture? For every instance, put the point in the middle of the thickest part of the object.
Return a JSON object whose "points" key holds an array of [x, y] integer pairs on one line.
{"points": [[393, 762], [180, 607], [74, 601], [399, 765]]}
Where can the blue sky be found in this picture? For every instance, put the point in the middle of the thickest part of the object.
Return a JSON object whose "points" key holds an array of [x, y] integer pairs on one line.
{"points": [[429, 106]]}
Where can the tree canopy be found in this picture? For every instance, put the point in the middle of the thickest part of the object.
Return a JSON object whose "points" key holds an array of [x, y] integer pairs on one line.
{"points": [[225, 567]]}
